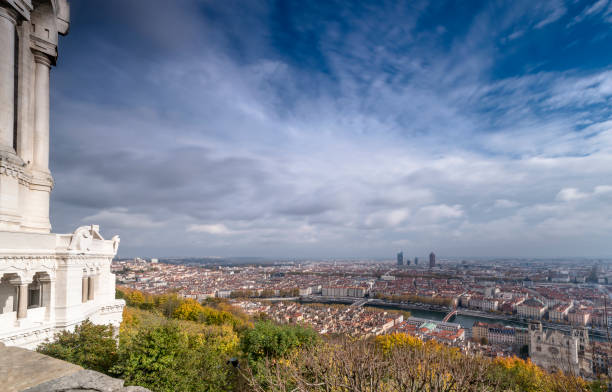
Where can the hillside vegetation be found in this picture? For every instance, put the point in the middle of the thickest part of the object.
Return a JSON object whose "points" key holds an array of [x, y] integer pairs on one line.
{"points": [[169, 344]]}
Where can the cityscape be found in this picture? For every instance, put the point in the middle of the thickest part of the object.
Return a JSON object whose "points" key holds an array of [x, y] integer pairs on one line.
{"points": [[498, 308], [305, 196]]}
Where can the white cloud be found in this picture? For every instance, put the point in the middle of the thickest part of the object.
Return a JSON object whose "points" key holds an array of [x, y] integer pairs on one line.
{"points": [[122, 218], [504, 203], [215, 229], [603, 189], [439, 212], [593, 9], [435, 152], [596, 7], [557, 11], [387, 219], [571, 194]]}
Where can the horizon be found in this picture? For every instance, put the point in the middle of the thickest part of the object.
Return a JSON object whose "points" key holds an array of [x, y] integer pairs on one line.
{"points": [[422, 259], [328, 130]]}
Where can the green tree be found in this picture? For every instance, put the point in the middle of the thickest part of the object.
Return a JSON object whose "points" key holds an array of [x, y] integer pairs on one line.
{"points": [[269, 340], [168, 303], [165, 359], [91, 346]]}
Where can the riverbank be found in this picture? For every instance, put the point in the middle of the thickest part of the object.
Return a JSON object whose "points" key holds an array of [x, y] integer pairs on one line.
{"points": [[465, 317]]}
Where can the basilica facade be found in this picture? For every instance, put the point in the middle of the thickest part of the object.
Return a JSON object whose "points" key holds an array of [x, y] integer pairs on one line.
{"points": [[48, 282]]}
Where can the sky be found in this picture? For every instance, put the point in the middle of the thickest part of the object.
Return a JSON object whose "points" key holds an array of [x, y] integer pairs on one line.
{"points": [[315, 129]]}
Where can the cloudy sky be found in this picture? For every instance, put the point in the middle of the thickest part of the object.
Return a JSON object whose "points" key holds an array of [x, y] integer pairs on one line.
{"points": [[336, 129]]}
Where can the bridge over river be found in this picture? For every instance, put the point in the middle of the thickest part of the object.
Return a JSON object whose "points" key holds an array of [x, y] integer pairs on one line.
{"points": [[465, 317]]}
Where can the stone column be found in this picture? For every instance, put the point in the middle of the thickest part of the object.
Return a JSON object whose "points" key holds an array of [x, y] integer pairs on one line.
{"points": [[84, 287], [51, 301], [41, 111], [22, 306], [92, 287], [48, 297], [8, 20]]}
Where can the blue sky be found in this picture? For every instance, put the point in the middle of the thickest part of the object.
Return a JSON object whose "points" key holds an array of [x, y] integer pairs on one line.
{"points": [[337, 129]]}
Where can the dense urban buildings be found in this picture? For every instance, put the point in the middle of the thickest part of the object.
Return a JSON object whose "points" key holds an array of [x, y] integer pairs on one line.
{"points": [[496, 307]]}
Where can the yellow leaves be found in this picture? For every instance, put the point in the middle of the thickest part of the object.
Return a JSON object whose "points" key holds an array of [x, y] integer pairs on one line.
{"points": [[189, 310], [522, 374], [388, 342], [128, 319], [516, 363], [136, 298]]}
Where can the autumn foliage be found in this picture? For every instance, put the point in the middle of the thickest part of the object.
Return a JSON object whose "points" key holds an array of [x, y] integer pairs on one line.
{"points": [[397, 363], [172, 344]]}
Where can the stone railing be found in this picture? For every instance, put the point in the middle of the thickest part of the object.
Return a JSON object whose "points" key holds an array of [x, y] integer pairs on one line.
{"points": [[28, 371]]}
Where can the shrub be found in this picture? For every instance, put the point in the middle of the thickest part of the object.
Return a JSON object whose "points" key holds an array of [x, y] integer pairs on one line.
{"points": [[91, 346]]}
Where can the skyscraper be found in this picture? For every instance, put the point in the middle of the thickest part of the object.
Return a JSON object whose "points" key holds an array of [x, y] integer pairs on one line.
{"points": [[400, 258], [416, 261], [432, 260]]}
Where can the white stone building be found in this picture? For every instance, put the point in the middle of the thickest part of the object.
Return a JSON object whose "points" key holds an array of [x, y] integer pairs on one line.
{"points": [[555, 350], [488, 304], [532, 309], [48, 282]]}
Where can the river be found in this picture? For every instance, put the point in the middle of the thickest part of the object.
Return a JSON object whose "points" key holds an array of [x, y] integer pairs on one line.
{"points": [[468, 321]]}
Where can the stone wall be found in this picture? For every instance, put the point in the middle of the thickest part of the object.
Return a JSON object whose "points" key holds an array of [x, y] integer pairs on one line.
{"points": [[22, 370]]}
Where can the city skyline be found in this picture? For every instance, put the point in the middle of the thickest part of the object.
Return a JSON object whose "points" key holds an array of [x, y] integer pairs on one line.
{"points": [[338, 131]]}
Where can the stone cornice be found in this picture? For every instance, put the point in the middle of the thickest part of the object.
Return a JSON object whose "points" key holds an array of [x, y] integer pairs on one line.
{"points": [[26, 335], [43, 47], [8, 13], [114, 308], [23, 7], [13, 166], [40, 57], [9, 158], [11, 169], [41, 180]]}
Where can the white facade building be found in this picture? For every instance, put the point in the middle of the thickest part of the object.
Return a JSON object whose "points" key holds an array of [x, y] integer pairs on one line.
{"points": [[48, 282]]}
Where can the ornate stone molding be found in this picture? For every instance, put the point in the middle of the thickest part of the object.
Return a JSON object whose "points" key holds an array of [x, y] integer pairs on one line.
{"points": [[82, 238], [41, 57], [12, 165], [27, 335], [26, 264], [23, 7], [114, 308], [82, 260], [8, 13]]}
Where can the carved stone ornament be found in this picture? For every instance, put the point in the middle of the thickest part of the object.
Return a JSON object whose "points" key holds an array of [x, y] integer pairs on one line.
{"points": [[116, 240], [83, 237]]}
